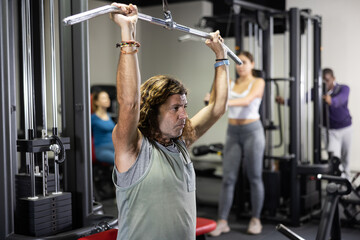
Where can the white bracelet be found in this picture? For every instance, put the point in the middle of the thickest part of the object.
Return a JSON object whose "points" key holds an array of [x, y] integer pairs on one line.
{"points": [[223, 62]]}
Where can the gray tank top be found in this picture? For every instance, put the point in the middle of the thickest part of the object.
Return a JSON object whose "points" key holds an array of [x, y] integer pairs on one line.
{"points": [[161, 203]]}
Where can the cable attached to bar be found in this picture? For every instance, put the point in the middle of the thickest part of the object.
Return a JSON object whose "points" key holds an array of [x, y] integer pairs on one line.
{"points": [[165, 23]]}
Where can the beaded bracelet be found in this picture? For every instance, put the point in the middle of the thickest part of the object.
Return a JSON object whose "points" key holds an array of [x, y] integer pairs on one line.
{"points": [[131, 43]]}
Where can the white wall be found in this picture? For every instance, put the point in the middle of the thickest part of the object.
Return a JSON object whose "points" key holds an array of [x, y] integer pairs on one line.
{"points": [[103, 35], [341, 51]]}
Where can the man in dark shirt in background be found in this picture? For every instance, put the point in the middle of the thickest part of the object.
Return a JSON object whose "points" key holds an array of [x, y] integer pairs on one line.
{"points": [[337, 98]]}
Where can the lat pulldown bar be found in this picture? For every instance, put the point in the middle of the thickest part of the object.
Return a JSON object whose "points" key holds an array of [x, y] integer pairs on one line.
{"points": [[168, 23]]}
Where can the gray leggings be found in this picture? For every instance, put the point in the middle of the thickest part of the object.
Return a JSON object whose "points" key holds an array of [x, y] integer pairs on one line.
{"points": [[248, 141]]}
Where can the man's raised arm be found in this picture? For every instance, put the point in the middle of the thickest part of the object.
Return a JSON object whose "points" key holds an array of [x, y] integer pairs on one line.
{"points": [[217, 106], [126, 137]]}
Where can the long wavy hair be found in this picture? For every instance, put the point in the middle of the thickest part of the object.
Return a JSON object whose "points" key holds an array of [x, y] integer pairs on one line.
{"points": [[154, 92]]}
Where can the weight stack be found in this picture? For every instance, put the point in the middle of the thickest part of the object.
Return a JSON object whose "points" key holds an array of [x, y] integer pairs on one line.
{"points": [[43, 216], [23, 186]]}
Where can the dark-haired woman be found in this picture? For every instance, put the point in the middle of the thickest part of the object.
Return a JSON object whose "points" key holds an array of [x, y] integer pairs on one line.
{"points": [[245, 140], [102, 126]]}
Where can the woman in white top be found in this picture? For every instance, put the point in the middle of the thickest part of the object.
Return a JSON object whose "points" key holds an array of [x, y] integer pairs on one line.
{"points": [[245, 140]]}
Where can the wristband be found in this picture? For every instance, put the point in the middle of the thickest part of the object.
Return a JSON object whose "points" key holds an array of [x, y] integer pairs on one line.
{"points": [[221, 59], [220, 63]]}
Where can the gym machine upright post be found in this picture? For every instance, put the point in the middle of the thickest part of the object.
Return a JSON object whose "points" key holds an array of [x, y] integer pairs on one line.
{"points": [[40, 213], [76, 174]]}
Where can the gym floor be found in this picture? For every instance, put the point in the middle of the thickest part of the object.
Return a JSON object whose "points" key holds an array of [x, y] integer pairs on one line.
{"points": [[238, 229], [207, 191]]}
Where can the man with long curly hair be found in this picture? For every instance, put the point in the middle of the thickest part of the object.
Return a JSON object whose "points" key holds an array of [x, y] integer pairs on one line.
{"points": [[153, 174]]}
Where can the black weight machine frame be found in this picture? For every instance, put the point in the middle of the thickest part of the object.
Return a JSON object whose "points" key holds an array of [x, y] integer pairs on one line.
{"points": [[329, 226], [292, 21], [75, 97]]}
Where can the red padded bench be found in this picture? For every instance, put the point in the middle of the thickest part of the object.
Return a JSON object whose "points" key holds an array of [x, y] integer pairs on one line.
{"points": [[106, 235], [203, 226]]}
